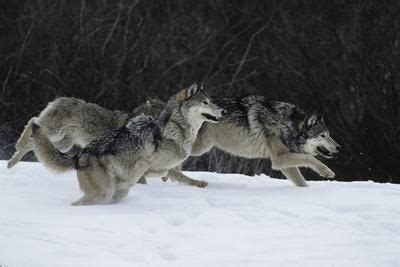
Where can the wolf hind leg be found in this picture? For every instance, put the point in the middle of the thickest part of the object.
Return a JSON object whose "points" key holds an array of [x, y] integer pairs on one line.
{"points": [[99, 198], [23, 145], [97, 186], [124, 184], [294, 175], [19, 154], [65, 144], [121, 193], [86, 186]]}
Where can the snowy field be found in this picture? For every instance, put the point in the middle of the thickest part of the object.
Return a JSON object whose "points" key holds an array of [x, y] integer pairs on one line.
{"points": [[236, 221]]}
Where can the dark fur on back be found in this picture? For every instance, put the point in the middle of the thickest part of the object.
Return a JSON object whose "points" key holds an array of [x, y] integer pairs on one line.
{"points": [[263, 116], [132, 136]]}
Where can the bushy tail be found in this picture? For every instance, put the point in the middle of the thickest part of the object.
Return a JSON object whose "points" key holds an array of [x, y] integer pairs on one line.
{"points": [[50, 156], [23, 145]]}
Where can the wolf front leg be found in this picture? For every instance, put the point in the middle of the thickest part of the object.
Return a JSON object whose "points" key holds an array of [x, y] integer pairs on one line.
{"points": [[295, 160], [177, 175], [294, 175], [165, 178]]}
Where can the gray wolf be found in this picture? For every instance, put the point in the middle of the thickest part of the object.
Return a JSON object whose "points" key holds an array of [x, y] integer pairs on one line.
{"points": [[146, 146], [255, 127], [70, 122]]}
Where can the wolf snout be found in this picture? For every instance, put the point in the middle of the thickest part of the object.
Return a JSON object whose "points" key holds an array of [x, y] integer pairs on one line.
{"points": [[338, 148], [223, 112]]}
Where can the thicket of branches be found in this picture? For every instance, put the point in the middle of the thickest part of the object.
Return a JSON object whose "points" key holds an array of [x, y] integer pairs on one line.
{"points": [[338, 57]]}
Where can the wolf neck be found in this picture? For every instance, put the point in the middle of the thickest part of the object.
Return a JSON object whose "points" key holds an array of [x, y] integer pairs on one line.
{"points": [[185, 127], [182, 129]]}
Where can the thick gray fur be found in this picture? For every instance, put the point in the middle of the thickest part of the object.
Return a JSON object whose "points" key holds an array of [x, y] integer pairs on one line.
{"points": [[255, 127], [70, 122], [145, 146]]}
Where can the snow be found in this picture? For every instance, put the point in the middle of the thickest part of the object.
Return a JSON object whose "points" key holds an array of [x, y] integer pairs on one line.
{"points": [[236, 221]]}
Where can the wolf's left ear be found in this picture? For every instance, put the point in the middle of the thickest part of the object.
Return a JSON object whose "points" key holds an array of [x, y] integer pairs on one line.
{"points": [[186, 93], [192, 90], [312, 120]]}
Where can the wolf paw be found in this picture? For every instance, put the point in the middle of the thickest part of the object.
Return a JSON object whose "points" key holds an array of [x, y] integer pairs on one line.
{"points": [[327, 173], [201, 184], [10, 165], [142, 180]]}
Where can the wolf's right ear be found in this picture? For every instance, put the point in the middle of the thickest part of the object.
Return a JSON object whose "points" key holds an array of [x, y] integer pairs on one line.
{"points": [[202, 87], [187, 93]]}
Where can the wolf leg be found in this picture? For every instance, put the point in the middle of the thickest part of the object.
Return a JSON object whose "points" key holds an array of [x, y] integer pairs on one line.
{"points": [[123, 186], [97, 186], [121, 193], [65, 144], [178, 168], [203, 143], [294, 175], [86, 186], [19, 154], [142, 180], [177, 175], [294, 160], [23, 145]]}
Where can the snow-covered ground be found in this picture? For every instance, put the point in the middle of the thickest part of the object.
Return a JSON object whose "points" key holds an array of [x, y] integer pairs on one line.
{"points": [[236, 221]]}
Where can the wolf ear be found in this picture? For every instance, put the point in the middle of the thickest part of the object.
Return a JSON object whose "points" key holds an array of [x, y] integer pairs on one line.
{"points": [[202, 87], [186, 93], [312, 120], [192, 90]]}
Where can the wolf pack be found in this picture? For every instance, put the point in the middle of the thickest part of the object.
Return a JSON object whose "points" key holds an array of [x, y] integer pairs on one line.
{"points": [[119, 149]]}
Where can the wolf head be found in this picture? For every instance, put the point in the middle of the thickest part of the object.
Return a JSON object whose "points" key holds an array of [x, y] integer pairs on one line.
{"points": [[317, 139], [198, 104], [152, 107]]}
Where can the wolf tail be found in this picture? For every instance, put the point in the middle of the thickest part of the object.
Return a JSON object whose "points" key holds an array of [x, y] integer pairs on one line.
{"points": [[23, 145], [50, 156]]}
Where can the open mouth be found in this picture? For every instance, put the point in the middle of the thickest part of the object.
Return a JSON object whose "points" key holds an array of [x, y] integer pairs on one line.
{"points": [[210, 117], [322, 151]]}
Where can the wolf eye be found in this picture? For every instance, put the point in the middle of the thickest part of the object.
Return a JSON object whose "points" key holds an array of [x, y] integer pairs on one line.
{"points": [[205, 102], [323, 135]]}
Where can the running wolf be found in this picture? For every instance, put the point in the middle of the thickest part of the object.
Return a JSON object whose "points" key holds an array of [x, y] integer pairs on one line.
{"points": [[70, 122], [255, 127], [145, 146]]}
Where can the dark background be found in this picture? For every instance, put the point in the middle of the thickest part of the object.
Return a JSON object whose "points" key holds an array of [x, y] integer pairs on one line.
{"points": [[338, 57]]}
